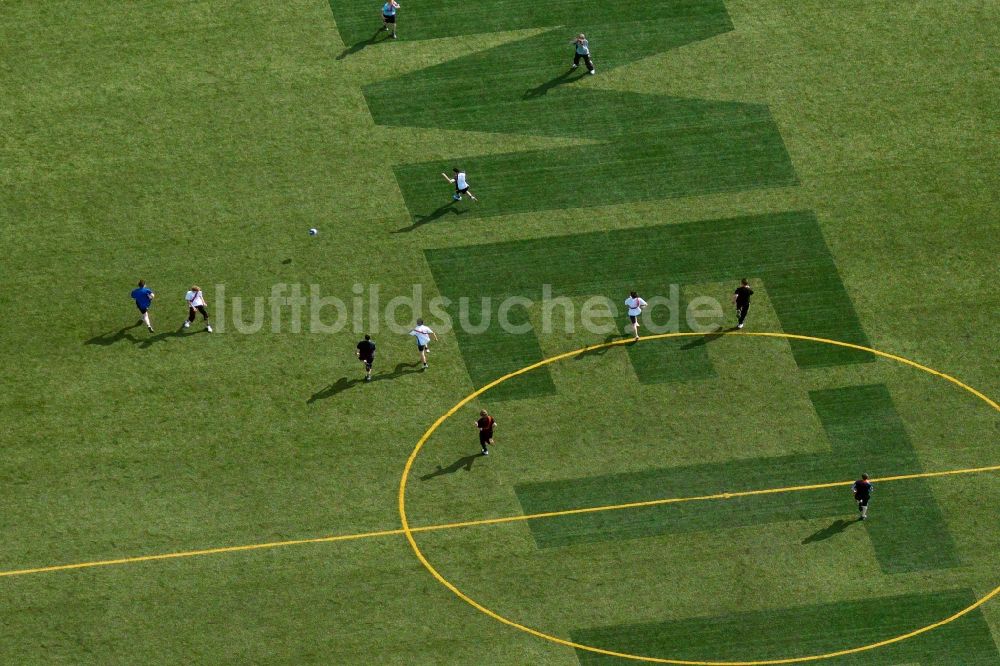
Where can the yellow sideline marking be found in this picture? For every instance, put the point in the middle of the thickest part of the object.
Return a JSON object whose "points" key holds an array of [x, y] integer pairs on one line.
{"points": [[196, 553], [408, 531], [483, 521], [696, 498]]}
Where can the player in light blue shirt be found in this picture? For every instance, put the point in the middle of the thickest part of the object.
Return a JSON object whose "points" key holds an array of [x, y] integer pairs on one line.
{"points": [[144, 296], [389, 16], [582, 48]]}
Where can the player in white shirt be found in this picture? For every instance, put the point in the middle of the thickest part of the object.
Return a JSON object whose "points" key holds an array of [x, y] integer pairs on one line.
{"points": [[461, 185], [196, 303], [423, 334], [635, 306]]}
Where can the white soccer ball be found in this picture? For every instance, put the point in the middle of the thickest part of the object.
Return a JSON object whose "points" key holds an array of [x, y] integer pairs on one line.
{"points": [[313, 232]]}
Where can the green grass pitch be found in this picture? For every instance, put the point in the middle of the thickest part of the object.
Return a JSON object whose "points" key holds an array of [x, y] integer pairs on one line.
{"points": [[845, 156]]}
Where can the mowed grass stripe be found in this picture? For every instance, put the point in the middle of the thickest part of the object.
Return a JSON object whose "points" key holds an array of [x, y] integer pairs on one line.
{"points": [[652, 147], [784, 251], [864, 432], [477, 523], [812, 629], [356, 20], [862, 424]]}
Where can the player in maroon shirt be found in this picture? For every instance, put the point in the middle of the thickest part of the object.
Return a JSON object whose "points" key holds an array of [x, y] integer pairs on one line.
{"points": [[862, 489], [486, 423]]}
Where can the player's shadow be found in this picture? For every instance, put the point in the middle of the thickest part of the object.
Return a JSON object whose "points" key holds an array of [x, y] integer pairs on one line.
{"points": [[344, 383], [832, 530], [112, 337], [354, 48], [421, 220], [160, 337], [339, 386], [400, 370], [709, 337], [462, 463], [597, 350], [542, 90], [123, 334]]}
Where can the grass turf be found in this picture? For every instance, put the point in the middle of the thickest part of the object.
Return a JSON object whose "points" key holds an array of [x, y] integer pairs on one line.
{"points": [[197, 141], [786, 252]]}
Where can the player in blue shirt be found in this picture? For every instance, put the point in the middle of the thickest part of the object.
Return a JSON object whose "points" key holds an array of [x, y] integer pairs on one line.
{"points": [[144, 296], [389, 16]]}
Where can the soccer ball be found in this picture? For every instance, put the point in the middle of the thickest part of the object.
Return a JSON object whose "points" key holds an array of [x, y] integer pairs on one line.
{"points": [[313, 232]]}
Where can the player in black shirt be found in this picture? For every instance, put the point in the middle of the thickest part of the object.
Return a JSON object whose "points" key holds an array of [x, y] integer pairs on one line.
{"points": [[741, 298], [862, 490], [366, 353], [485, 425]]}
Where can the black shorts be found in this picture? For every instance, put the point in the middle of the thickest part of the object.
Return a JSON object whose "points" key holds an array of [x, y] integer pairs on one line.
{"points": [[368, 362], [463, 190], [421, 347], [389, 19], [633, 318], [485, 436], [862, 501], [142, 310]]}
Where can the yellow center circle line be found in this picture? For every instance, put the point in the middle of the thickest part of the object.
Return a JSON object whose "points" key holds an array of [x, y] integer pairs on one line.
{"points": [[408, 531]]}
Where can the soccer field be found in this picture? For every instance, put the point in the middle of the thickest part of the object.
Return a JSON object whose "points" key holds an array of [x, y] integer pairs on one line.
{"points": [[244, 496]]}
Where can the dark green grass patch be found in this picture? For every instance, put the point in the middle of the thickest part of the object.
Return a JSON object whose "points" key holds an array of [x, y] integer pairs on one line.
{"points": [[785, 251], [196, 141], [663, 158], [357, 19], [862, 423], [680, 482], [649, 146], [907, 530], [670, 361], [808, 630]]}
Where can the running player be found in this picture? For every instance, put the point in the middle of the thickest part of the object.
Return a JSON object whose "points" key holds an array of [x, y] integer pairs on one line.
{"points": [[862, 490], [741, 299], [461, 185], [144, 296], [196, 303], [423, 334], [635, 306], [366, 354], [486, 423], [389, 16]]}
